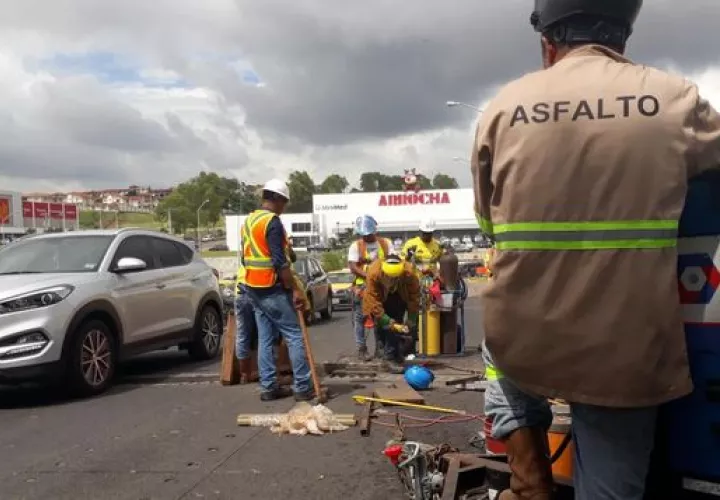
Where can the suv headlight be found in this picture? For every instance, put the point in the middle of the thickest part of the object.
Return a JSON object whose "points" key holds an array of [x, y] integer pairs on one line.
{"points": [[36, 300]]}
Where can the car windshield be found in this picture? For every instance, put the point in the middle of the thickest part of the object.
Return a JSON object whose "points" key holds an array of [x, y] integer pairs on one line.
{"points": [[63, 254], [340, 277]]}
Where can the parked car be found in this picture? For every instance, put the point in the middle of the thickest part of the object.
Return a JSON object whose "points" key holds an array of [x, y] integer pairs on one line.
{"points": [[74, 305], [218, 248], [317, 286], [341, 293]]}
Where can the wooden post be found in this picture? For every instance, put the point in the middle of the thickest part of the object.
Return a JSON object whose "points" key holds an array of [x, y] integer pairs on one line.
{"points": [[230, 368]]}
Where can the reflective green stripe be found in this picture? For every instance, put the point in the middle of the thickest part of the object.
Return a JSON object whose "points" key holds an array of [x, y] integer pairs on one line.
{"points": [[492, 373], [591, 235], [588, 245], [486, 225], [617, 235], [587, 226]]}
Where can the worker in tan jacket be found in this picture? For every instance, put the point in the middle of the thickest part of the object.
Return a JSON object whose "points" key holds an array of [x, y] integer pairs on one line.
{"points": [[580, 174]]}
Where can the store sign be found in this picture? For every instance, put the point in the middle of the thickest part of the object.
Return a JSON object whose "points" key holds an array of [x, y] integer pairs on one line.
{"points": [[394, 200], [5, 211], [55, 211], [331, 207]]}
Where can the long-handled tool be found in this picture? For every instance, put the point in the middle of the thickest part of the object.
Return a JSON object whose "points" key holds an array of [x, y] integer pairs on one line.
{"points": [[320, 393], [392, 402]]}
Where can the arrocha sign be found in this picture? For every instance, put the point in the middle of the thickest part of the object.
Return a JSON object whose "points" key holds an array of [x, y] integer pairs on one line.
{"points": [[403, 199]]}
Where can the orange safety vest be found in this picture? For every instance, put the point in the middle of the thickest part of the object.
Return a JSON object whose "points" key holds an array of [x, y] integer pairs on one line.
{"points": [[259, 270], [383, 249]]}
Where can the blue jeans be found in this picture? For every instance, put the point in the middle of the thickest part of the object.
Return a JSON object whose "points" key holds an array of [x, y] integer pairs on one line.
{"points": [[245, 322], [612, 445], [275, 316], [358, 323]]}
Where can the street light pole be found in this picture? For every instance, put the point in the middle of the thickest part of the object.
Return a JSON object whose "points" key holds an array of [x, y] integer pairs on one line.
{"points": [[197, 228], [454, 104]]}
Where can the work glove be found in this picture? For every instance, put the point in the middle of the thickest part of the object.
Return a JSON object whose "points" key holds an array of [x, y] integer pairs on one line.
{"points": [[399, 328]]}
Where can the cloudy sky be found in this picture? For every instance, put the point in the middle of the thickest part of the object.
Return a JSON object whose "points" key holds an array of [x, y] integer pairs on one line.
{"points": [[105, 93]]}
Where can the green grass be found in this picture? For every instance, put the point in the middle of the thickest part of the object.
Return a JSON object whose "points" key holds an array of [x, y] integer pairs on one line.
{"points": [[90, 219], [205, 254]]}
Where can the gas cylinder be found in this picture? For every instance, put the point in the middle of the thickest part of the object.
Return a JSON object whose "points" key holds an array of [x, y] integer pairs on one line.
{"points": [[449, 270], [694, 421]]}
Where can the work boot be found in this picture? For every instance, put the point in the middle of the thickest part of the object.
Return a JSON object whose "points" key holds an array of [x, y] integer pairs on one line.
{"points": [[308, 395], [277, 393], [245, 369], [363, 355], [529, 461]]}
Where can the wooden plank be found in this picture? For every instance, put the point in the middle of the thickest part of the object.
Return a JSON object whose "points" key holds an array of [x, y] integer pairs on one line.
{"points": [[230, 367], [401, 392], [366, 419]]}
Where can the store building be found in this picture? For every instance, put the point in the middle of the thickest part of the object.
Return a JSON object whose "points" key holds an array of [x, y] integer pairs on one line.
{"points": [[398, 215], [17, 216]]}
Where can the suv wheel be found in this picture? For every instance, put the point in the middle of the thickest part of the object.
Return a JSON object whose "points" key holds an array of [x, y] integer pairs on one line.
{"points": [[92, 359], [327, 312], [208, 333]]}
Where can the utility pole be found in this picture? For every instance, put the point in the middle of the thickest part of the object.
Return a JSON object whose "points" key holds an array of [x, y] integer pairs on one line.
{"points": [[170, 221]]}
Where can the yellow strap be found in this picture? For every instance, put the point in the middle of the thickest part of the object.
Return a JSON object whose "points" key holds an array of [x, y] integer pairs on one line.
{"points": [[492, 373]]}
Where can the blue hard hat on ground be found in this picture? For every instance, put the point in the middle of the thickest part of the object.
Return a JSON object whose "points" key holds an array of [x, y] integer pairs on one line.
{"points": [[419, 377], [365, 225]]}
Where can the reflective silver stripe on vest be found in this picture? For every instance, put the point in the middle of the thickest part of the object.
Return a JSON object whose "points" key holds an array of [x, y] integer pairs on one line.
{"points": [[261, 263]]}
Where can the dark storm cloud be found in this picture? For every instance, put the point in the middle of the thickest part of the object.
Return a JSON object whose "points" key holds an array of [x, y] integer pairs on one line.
{"points": [[338, 73]]}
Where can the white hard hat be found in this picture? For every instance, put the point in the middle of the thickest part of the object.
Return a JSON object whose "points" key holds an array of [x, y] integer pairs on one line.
{"points": [[427, 226], [277, 186]]}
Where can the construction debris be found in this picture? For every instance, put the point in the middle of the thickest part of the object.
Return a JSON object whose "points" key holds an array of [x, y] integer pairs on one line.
{"points": [[301, 420]]}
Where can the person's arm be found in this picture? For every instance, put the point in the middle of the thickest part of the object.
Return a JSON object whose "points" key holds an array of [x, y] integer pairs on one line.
{"points": [[481, 166], [705, 136], [276, 240], [372, 303], [354, 260]]}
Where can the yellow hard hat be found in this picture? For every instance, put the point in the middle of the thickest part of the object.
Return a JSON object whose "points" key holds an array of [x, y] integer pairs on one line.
{"points": [[393, 266]]}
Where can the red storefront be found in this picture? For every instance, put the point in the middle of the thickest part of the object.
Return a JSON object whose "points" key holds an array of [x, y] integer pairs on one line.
{"points": [[42, 214]]}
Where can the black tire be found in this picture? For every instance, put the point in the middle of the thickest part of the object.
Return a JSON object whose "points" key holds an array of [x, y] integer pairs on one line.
{"points": [[207, 335], [310, 313], [91, 374], [327, 313]]}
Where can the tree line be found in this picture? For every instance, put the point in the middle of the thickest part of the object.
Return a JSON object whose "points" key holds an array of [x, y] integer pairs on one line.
{"points": [[220, 195]]}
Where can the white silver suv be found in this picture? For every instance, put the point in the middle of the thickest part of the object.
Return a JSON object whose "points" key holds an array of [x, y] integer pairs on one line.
{"points": [[73, 305]]}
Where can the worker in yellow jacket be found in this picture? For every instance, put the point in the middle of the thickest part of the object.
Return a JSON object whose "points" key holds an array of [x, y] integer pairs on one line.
{"points": [[424, 251]]}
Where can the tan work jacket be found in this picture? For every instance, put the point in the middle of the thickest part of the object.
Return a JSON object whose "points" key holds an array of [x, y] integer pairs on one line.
{"points": [[580, 174]]}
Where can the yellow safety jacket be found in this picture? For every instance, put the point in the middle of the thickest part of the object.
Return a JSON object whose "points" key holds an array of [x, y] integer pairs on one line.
{"points": [[366, 259], [427, 255], [240, 279]]}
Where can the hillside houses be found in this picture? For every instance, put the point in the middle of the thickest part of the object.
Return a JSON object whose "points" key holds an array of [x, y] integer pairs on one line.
{"points": [[130, 199]]}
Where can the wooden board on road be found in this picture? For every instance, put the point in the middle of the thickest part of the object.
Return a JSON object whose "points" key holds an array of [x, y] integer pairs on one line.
{"points": [[230, 367], [401, 392]]}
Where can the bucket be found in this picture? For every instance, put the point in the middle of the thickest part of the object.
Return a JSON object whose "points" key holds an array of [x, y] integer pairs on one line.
{"points": [[563, 466], [492, 446], [447, 300]]}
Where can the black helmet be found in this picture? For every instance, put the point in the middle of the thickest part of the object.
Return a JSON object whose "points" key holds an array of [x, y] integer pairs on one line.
{"points": [[620, 13]]}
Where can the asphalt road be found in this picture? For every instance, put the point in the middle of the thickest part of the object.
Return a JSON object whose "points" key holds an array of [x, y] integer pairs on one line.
{"points": [[167, 431]]}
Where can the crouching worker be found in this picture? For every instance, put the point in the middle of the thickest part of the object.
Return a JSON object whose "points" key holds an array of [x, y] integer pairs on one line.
{"points": [[392, 289]]}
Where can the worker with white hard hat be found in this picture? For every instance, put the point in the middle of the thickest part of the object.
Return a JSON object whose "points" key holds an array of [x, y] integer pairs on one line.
{"points": [[423, 250], [273, 290]]}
